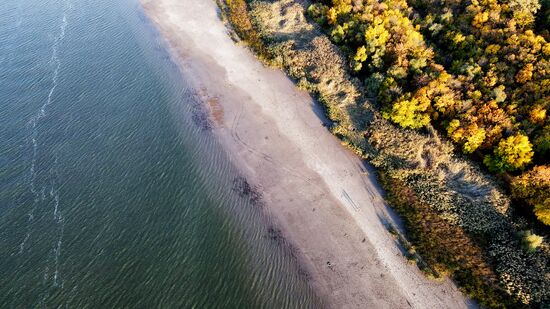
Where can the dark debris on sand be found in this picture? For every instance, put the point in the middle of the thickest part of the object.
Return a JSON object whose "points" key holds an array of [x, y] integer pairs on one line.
{"points": [[244, 189]]}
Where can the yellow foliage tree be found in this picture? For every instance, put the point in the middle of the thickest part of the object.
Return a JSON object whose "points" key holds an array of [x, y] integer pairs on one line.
{"points": [[332, 16], [474, 140], [410, 113], [534, 188], [525, 74], [537, 114], [512, 153], [359, 58]]}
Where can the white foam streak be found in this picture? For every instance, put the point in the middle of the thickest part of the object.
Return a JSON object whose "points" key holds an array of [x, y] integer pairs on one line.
{"points": [[57, 254], [42, 112], [41, 195], [22, 245]]}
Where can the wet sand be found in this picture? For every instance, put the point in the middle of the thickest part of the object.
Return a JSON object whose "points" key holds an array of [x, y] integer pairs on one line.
{"points": [[326, 203]]}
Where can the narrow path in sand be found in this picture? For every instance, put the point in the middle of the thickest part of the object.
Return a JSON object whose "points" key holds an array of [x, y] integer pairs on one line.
{"points": [[321, 195]]}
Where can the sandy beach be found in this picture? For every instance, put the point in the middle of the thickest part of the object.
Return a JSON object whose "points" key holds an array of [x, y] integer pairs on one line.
{"points": [[324, 199]]}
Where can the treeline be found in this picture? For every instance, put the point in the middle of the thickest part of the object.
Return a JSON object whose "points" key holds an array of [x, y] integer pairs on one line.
{"points": [[476, 70]]}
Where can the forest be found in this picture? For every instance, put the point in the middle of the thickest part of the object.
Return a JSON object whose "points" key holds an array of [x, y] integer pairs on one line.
{"points": [[478, 71]]}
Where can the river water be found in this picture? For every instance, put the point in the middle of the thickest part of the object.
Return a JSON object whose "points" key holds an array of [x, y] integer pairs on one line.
{"points": [[113, 191]]}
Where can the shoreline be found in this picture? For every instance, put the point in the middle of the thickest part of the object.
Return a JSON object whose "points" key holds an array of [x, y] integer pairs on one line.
{"points": [[322, 196]]}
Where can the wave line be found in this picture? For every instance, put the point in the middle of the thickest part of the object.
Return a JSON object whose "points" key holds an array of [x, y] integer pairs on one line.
{"points": [[39, 195]]}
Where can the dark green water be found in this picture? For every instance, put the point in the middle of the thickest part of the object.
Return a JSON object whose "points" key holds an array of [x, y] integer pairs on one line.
{"points": [[113, 192]]}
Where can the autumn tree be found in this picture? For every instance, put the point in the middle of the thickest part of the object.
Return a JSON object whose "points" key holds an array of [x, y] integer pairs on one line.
{"points": [[477, 70], [511, 154], [534, 188], [410, 113]]}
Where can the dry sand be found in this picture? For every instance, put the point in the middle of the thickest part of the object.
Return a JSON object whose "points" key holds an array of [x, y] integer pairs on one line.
{"points": [[322, 196]]}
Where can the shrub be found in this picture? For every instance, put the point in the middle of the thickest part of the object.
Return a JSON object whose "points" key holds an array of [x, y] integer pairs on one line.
{"points": [[531, 241]]}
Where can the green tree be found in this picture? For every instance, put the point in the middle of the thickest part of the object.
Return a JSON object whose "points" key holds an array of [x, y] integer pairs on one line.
{"points": [[542, 141]]}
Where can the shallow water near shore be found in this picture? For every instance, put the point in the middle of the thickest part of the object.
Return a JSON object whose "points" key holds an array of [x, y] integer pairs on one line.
{"points": [[113, 190]]}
